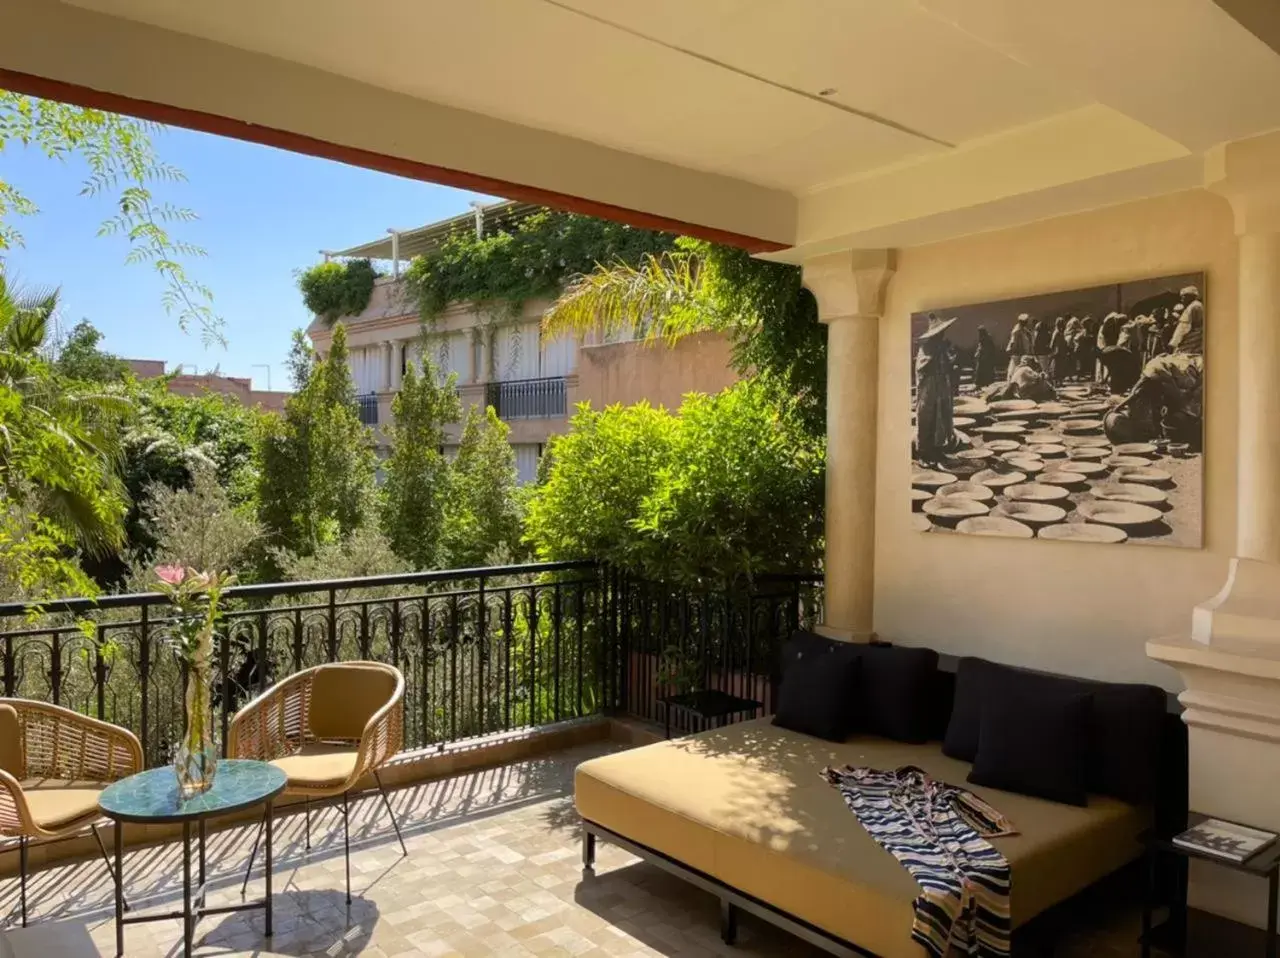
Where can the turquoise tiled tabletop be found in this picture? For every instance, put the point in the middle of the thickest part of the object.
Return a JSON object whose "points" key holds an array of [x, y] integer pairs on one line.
{"points": [[152, 796]]}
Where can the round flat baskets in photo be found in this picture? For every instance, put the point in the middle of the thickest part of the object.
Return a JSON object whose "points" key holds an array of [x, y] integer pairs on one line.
{"points": [[1084, 467], [1114, 513], [919, 497], [1082, 425], [995, 526], [983, 453], [970, 407], [1003, 445], [1090, 408], [1142, 474], [1051, 410], [1070, 480], [1074, 392], [1047, 449], [998, 480], [963, 422], [1019, 454], [931, 478], [955, 507], [1035, 492], [1127, 462], [920, 523], [1072, 442], [1041, 437], [1012, 405], [1130, 492], [1089, 452], [1031, 513], [1005, 429], [1083, 532], [1025, 463], [968, 490], [1136, 449]]}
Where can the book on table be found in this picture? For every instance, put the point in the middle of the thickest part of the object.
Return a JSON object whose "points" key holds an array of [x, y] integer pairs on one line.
{"points": [[1226, 840]]}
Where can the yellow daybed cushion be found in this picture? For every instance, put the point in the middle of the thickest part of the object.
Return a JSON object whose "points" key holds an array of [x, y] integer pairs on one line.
{"points": [[746, 805]]}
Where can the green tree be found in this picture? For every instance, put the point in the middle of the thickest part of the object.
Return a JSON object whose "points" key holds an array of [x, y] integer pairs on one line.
{"points": [[197, 527], [600, 473], [771, 319], [483, 516], [728, 490], [78, 357], [416, 486], [317, 460], [121, 159], [59, 452], [740, 495]]}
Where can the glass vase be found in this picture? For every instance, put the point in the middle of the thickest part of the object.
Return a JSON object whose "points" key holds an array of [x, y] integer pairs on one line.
{"points": [[195, 760]]}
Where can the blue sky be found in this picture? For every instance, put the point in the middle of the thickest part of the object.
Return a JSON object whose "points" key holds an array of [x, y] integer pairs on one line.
{"points": [[264, 214]]}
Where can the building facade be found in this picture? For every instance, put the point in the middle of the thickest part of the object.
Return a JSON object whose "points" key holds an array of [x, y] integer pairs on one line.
{"points": [[533, 382]]}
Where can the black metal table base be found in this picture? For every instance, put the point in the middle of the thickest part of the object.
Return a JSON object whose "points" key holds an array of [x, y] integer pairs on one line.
{"points": [[193, 906]]}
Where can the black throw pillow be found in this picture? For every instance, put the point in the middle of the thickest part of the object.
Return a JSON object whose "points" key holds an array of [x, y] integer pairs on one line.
{"points": [[1036, 742], [897, 690], [961, 740], [817, 696], [1126, 726]]}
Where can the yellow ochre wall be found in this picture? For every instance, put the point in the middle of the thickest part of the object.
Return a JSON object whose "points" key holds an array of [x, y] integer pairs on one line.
{"points": [[654, 372], [1067, 607]]}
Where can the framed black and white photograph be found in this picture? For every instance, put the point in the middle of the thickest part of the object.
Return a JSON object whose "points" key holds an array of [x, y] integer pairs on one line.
{"points": [[1076, 415]]}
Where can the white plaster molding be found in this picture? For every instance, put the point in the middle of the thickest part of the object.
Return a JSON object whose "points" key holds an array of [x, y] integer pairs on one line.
{"points": [[1247, 173], [1245, 611], [851, 284]]}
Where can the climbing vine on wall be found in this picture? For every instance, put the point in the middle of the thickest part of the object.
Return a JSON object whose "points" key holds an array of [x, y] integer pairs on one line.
{"points": [[503, 270], [331, 290]]}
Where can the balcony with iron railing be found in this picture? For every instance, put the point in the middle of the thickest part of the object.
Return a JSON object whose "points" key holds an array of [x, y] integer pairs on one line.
{"points": [[367, 409], [483, 651], [545, 398]]}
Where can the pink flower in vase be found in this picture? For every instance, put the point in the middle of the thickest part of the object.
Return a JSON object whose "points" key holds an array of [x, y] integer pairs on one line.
{"points": [[171, 574]]}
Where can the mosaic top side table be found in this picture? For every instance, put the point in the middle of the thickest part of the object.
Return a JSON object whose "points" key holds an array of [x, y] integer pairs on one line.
{"points": [[151, 798]]}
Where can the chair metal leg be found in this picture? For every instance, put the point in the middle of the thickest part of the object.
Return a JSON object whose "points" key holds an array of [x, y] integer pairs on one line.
{"points": [[387, 802], [244, 888], [346, 842], [22, 880], [107, 858]]}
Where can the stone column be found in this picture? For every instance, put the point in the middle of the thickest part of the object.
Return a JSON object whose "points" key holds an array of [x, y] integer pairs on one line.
{"points": [[385, 355], [1230, 661], [397, 363], [850, 288]]}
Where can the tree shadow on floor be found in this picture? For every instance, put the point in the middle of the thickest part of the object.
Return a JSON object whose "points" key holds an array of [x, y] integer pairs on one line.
{"points": [[306, 922]]}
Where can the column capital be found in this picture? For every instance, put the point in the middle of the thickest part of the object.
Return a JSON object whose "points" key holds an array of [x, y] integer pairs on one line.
{"points": [[1247, 173], [851, 283]]}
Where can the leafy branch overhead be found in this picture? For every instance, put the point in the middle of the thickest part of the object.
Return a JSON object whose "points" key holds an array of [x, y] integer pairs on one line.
{"points": [[122, 160]]}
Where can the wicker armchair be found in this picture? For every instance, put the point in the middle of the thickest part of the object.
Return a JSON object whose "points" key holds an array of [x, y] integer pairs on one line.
{"points": [[326, 727], [53, 764]]}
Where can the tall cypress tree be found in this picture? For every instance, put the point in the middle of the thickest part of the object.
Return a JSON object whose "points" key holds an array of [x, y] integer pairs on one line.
{"points": [[416, 485]]}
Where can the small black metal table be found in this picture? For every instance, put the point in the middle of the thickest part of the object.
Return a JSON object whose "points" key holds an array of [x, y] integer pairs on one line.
{"points": [[151, 798], [708, 705], [1172, 934]]}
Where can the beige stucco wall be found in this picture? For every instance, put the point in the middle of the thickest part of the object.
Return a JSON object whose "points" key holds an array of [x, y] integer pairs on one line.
{"points": [[1068, 607], [630, 372]]}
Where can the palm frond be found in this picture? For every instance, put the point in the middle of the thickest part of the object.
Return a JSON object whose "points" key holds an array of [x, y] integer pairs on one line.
{"points": [[661, 298]]}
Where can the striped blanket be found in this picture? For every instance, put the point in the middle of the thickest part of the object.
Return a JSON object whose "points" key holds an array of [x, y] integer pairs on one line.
{"points": [[937, 832]]}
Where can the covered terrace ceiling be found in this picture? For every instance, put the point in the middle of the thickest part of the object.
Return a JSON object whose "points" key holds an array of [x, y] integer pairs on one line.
{"points": [[813, 124]]}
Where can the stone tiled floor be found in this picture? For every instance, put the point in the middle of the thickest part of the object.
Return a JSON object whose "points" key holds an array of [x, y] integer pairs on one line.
{"points": [[493, 869]]}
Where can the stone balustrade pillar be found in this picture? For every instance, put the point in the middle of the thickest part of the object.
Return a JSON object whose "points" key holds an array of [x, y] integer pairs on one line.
{"points": [[849, 288]]}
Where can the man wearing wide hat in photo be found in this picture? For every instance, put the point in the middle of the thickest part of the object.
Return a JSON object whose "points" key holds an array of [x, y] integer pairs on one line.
{"points": [[935, 426]]}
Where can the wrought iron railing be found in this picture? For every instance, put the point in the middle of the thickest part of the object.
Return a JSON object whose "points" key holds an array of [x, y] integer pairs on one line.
{"points": [[367, 409], [482, 650], [528, 398]]}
